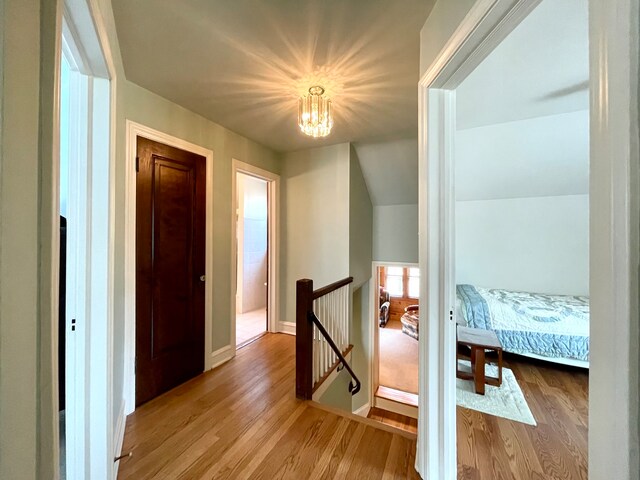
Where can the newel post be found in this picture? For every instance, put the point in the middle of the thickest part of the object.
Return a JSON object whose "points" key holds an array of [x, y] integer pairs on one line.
{"points": [[304, 339]]}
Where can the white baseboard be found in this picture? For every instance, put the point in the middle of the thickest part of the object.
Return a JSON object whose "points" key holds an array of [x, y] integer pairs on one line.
{"points": [[220, 356], [363, 411], [287, 327], [119, 437]]}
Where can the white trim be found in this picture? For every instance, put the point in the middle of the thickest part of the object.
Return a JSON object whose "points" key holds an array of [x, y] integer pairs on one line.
{"points": [[484, 27], [614, 225], [287, 327], [395, 407], [135, 130], [374, 333], [273, 189], [97, 313], [222, 355], [121, 423], [614, 243], [363, 411]]}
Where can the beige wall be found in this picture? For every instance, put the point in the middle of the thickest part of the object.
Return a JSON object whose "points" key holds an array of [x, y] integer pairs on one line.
{"points": [[360, 223], [19, 232], [315, 220], [395, 233]]}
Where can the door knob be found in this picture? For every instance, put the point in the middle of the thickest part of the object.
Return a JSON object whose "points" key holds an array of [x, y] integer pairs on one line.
{"points": [[203, 278]]}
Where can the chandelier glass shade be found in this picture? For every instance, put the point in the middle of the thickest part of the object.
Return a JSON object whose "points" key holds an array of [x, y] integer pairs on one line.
{"points": [[314, 113]]}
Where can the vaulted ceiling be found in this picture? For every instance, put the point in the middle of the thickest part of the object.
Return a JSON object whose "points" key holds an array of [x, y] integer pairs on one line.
{"points": [[244, 63]]}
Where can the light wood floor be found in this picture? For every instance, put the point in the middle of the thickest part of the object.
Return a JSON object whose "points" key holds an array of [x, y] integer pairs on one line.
{"points": [[242, 421], [394, 419], [495, 448]]}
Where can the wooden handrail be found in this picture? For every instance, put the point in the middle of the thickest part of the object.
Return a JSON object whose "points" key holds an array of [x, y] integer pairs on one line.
{"points": [[321, 292]]}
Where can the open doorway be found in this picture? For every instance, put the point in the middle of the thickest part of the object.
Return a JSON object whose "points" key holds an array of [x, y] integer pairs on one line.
{"points": [[509, 252], [252, 259], [522, 241], [84, 182], [397, 321], [255, 247]]}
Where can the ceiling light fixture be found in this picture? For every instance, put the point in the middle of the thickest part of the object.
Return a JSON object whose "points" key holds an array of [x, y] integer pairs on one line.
{"points": [[314, 113]]}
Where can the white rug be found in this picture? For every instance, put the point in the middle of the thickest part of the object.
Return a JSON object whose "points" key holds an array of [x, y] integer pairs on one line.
{"points": [[506, 401]]}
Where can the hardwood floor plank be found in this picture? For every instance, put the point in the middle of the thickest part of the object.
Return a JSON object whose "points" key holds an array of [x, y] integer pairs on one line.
{"points": [[242, 421], [492, 447]]}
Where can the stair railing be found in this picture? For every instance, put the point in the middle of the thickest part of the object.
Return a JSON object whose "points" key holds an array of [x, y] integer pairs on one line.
{"points": [[322, 335]]}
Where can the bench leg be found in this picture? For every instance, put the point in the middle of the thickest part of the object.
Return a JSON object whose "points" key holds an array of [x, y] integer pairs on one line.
{"points": [[478, 372]]}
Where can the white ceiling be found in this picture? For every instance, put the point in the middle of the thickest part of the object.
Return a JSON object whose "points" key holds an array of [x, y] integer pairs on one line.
{"points": [[541, 68], [244, 63]]}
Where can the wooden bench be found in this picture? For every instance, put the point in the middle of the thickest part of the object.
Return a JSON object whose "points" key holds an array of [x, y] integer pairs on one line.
{"points": [[478, 341]]}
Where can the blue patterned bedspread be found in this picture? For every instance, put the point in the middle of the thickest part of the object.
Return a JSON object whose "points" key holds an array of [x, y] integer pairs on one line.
{"points": [[548, 325]]}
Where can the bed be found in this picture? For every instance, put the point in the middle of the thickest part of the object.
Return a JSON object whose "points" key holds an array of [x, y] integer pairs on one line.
{"points": [[549, 327]]}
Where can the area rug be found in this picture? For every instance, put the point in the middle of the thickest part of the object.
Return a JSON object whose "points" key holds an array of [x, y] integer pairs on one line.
{"points": [[506, 401]]}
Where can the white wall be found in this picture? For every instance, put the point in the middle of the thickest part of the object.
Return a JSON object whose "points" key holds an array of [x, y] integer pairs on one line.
{"points": [[315, 220], [252, 243], [542, 156], [395, 233], [360, 223], [538, 244]]}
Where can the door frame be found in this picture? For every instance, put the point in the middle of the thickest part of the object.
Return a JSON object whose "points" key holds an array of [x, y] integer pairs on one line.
{"points": [[95, 426], [273, 202], [374, 333], [135, 130], [614, 225]]}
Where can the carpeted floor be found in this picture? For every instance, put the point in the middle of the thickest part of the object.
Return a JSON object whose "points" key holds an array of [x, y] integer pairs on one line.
{"points": [[398, 358]]}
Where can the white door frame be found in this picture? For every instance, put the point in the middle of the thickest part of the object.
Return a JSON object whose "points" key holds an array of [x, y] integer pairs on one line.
{"points": [[614, 222], [93, 425], [374, 332], [273, 294], [135, 130]]}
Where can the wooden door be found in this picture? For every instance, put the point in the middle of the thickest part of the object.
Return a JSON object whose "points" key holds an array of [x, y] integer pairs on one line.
{"points": [[170, 267]]}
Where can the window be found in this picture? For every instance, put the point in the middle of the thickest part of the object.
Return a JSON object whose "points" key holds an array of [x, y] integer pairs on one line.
{"points": [[402, 282], [413, 283], [395, 281]]}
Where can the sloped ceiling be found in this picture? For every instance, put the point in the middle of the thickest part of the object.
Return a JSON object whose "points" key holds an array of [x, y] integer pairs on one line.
{"points": [[522, 114], [391, 171], [244, 63]]}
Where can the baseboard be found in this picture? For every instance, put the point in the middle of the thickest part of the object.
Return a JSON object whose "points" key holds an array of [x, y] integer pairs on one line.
{"points": [[220, 356], [119, 438], [363, 411], [287, 327]]}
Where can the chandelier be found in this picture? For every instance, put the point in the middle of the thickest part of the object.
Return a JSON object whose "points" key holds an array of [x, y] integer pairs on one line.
{"points": [[314, 113]]}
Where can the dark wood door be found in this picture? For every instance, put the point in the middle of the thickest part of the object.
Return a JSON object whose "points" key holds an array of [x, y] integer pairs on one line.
{"points": [[170, 267]]}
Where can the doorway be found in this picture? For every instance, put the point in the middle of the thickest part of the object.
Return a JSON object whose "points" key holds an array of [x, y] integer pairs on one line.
{"points": [[170, 267], [252, 259], [86, 246], [396, 335], [255, 254]]}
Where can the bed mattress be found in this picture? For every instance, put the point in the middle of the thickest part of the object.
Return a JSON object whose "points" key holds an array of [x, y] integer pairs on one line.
{"points": [[549, 326]]}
